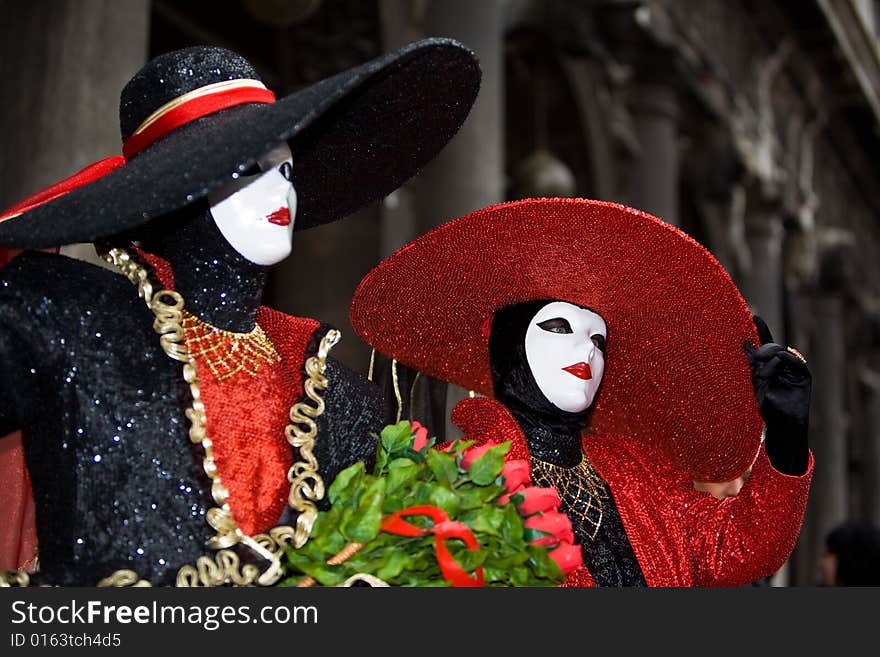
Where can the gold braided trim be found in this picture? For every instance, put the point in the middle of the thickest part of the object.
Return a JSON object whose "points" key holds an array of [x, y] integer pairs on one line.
{"points": [[307, 487], [340, 557], [124, 578]]}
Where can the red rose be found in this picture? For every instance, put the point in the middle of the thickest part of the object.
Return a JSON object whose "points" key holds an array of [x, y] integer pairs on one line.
{"points": [[554, 523], [421, 438], [536, 500], [516, 473], [471, 454], [568, 557]]}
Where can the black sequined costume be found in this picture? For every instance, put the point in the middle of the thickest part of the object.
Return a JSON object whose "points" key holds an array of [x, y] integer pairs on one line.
{"points": [[116, 481]]}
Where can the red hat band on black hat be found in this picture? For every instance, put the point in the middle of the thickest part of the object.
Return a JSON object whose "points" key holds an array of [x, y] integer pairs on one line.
{"points": [[194, 119]]}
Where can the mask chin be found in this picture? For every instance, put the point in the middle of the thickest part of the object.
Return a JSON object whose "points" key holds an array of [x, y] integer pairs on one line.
{"points": [[573, 403]]}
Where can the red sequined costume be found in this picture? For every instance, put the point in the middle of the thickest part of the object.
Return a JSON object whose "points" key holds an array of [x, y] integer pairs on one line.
{"points": [[250, 413], [681, 537]]}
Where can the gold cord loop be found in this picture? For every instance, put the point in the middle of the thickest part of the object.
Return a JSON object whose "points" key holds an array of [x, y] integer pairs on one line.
{"points": [[307, 487], [372, 364], [124, 578], [396, 389]]}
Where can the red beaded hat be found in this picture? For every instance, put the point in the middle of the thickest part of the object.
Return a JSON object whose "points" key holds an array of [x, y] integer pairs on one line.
{"points": [[676, 373]]}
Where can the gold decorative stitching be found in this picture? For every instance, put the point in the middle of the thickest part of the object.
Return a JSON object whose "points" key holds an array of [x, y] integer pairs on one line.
{"points": [[307, 487]]}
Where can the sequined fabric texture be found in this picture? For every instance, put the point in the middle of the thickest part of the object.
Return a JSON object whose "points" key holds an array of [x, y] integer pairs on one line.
{"points": [[117, 483], [581, 486], [18, 536], [608, 556], [246, 417], [346, 434], [682, 537], [171, 75], [675, 319], [657, 530]]}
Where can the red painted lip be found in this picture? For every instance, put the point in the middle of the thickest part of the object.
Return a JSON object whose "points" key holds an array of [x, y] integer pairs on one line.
{"points": [[281, 217], [580, 370]]}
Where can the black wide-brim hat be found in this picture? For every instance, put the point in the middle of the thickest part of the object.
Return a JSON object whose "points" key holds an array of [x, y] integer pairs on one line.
{"points": [[676, 374], [355, 137]]}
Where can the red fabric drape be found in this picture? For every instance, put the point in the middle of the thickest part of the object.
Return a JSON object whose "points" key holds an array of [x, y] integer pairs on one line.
{"points": [[18, 534], [6, 255], [18, 531]]}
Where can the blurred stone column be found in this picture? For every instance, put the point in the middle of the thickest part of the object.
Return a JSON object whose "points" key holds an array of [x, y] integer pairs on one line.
{"points": [[828, 503], [319, 279], [763, 283], [655, 178], [870, 380], [469, 173], [649, 51], [713, 171], [62, 66], [799, 570]]}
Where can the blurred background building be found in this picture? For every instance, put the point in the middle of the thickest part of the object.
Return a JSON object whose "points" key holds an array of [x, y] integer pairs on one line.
{"points": [[751, 124]]}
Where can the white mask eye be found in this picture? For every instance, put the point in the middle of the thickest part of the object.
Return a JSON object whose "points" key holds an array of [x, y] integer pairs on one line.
{"points": [[256, 212], [565, 350], [557, 325]]}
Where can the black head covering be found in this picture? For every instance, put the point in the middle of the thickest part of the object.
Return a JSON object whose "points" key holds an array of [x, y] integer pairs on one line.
{"points": [[553, 434], [355, 137]]}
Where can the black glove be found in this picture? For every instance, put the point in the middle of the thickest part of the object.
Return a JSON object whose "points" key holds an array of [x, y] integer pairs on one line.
{"points": [[782, 384]]}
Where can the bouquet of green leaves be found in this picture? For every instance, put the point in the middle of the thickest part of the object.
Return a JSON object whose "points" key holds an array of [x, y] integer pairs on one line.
{"points": [[459, 516]]}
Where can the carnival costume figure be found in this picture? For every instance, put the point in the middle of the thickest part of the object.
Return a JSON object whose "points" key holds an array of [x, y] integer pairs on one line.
{"points": [[616, 354], [175, 430]]}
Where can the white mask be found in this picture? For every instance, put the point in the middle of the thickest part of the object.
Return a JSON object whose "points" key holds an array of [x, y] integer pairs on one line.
{"points": [[565, 351], [256, 213]]}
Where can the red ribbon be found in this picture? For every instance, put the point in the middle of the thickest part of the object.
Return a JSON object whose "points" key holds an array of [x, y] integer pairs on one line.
{"points": [[84, 177], [190, 111], [184, 113], [443, 529]]}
